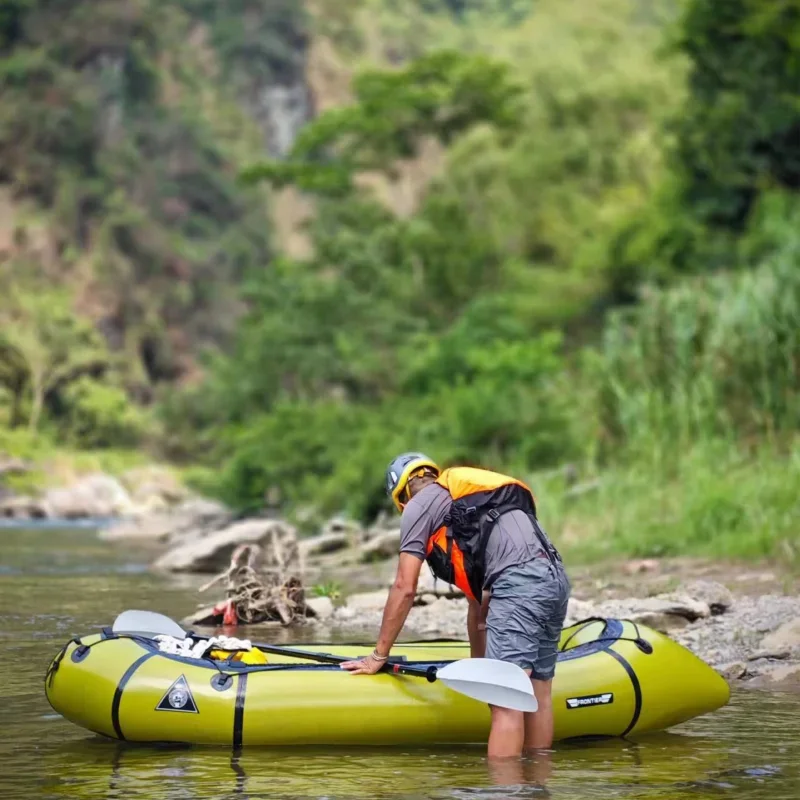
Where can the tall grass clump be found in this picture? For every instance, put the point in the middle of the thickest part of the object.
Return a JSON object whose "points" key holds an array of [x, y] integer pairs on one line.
{"points": [[716, 357], [716, 501]]}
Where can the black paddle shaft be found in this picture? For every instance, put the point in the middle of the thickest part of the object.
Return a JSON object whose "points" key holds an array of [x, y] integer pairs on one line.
{"points": [[327, 658]]}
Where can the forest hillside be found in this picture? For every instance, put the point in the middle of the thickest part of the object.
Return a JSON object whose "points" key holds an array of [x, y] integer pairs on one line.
{"points": [[277, 243]]}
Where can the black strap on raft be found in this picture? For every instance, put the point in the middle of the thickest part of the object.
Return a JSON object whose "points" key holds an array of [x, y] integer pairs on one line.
{"points": [[639, 641], [78, 654], [56, 662]]}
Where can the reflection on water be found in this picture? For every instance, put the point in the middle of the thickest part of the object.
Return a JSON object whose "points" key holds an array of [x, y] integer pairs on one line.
{"points": [[58, 584]]}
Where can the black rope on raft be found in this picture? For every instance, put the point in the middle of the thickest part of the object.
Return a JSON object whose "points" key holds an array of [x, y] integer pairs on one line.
{"points": [[642, 644], [56, 662], [639, 641], [584, 623]]}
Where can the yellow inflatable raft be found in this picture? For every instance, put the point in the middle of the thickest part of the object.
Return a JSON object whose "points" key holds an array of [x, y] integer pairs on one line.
{"points": [[613, 678]]}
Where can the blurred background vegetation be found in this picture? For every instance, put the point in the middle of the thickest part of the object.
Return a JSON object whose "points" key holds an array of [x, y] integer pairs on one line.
{"points": [[277, 243]]}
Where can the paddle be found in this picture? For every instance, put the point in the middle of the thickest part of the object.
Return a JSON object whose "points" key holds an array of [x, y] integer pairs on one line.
{"points": [[488, 680]]}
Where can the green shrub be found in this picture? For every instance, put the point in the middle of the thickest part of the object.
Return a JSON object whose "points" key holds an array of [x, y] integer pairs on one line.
{"points": [[98, 415], [712, 357], [715, 501]]}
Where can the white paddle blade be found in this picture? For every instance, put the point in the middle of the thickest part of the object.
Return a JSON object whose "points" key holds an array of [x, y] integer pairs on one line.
{"points": [[490, 681], [147, 623]]}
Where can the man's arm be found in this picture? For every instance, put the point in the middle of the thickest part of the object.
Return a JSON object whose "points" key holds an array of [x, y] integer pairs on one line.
{"points": [[399, 602], [476, 626], [416, 526]]}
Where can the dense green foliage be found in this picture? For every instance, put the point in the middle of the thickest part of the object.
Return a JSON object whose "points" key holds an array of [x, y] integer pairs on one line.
{"points": [[716, 500], [541, 233], [734, 142], [119, 150], [715, 357], [443, 329]]}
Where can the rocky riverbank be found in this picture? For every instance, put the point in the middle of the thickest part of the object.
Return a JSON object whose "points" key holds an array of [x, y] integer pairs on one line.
{"points": [[748, 639], [141, 494], [744, 622]]}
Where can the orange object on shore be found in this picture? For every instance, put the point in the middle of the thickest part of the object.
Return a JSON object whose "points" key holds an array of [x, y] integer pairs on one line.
{"points": [[229, 615]]}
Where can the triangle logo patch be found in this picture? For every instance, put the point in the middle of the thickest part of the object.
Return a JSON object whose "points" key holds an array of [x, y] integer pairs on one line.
{"points": [[178, 698]]}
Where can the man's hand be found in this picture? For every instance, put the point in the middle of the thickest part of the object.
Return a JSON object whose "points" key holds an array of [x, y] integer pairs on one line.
{"points": [[364, 666]]}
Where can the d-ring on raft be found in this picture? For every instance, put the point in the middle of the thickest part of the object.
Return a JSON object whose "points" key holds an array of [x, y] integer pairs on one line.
{"points": [[613, 678]]}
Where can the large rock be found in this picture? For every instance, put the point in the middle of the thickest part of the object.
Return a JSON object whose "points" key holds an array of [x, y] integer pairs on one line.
{"points": [[769, 653], [444, 617], [324, 543], [428, 584], [320, 607], [785, 675], [212, 553], [667, 612], [154, 487], [94, 496], [384, 545], [366, 601], [200, 517], [192, 519], [22, 507], [732, 671], [578, 610], [786, 638], [716, 596], [13, 466]]}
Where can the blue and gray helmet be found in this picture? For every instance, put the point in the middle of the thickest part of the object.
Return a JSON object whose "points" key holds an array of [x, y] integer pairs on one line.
{"points": [[400, 471]]}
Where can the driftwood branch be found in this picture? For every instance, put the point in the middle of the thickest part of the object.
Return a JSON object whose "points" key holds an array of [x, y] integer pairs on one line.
{"points": [[261, 585]]}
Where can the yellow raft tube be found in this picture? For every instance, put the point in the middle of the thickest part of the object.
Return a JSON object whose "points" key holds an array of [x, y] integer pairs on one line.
{"points": [[613, 678]]}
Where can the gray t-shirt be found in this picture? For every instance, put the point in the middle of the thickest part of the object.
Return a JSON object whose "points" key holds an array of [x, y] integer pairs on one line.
{"points": [[513, 540]]}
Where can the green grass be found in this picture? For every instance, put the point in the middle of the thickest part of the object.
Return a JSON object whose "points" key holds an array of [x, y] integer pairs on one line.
{"points": [[331, 589], [713, 501], [55, 465]]}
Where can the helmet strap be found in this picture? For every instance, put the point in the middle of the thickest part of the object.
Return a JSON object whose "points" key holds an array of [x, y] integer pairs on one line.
{"points": [[405, 495]]}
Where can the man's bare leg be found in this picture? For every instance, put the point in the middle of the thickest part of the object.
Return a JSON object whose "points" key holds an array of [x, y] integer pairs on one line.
{"points": [[539, 724], [506, 771], [507, 734], [538, 767]]}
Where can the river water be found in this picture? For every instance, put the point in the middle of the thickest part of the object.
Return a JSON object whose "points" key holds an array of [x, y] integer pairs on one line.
{"points": [[58, 583]]}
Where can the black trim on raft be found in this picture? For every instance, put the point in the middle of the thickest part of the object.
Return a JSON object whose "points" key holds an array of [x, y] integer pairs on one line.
{"points": [[238, 714], [580, 627], [612, 632], [637, 690], [123, 681]]}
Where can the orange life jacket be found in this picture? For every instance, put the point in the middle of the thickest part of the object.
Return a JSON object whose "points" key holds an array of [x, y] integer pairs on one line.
{"points": [[456, 552]]}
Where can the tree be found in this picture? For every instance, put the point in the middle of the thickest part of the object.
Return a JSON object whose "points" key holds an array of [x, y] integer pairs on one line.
{"points": [[442, 95], [44, 345], [739, 132]]}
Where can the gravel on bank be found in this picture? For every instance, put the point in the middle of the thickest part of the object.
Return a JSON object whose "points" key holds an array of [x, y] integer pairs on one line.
{"points": [[755, 640]]}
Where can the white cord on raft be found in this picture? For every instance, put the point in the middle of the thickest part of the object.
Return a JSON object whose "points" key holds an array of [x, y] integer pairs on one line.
{"points": [[186, 648]]}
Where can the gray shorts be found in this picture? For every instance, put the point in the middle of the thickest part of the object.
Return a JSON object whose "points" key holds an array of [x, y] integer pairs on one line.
{"points": [[527, 608]]}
